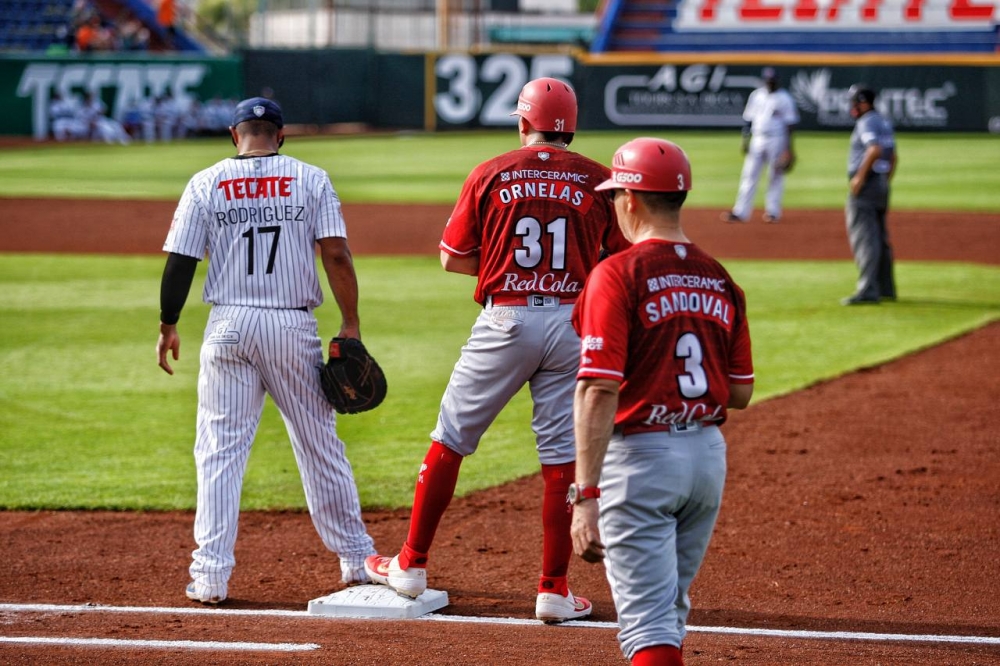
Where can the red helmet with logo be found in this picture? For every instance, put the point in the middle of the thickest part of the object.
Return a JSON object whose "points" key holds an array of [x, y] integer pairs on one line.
{"points": [[548, 104], [650, 165]]}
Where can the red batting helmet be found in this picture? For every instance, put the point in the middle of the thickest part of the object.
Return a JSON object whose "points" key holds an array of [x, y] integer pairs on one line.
{"points": [[650, 165], [548, 104]]}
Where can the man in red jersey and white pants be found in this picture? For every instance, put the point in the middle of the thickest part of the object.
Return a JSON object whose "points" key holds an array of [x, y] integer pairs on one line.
{"points": [[665, 351], [530, 225]]}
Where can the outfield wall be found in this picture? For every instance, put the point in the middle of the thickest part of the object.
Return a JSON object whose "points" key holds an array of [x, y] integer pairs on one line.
{"points": [[442, 91], [960, 93], [28, 81]]}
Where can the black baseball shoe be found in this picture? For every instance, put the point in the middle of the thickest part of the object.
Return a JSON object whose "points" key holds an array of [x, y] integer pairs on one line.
{"points": [[858, 300]]}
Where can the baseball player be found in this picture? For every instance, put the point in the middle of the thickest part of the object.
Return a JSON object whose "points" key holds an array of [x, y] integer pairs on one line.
{"points": [[769, 117], [871, 163], [530, 226], [259, 216], [67, 119], [665, 352], [139, 121], [167, 116], [103, 128]]}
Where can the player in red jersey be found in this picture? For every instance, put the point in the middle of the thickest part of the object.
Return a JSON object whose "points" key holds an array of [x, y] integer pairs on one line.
{"points": [[665, 352], [531, 226]]}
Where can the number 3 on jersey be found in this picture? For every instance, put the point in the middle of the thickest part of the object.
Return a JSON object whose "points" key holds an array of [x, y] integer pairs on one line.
{"points": [[694, 382], [530, 254]]}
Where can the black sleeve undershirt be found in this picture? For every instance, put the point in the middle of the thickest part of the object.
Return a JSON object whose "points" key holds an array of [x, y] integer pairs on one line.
{"points": [[178, 275]]}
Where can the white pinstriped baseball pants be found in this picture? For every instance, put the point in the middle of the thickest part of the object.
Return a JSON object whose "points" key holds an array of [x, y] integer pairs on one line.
{"points": [[247, 353]]}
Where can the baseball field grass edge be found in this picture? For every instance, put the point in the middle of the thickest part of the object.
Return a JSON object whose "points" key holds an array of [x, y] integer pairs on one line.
{"points": [[89, 421], [948, 172]]}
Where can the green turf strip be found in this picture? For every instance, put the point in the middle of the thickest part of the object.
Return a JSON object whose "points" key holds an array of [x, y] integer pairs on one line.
{"points": [[953, 172], [88, 420]]}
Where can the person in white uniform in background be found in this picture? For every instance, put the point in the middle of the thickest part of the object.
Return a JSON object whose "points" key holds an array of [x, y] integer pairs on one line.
{"points": [[167, 115], [769, 117], [259, 216], [67, 117], [102, 127]]}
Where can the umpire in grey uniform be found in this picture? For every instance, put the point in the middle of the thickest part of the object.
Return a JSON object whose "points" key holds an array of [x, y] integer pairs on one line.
{"points": [[871, 161]]}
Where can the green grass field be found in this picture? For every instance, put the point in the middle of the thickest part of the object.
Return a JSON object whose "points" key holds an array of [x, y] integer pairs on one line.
{"points": [[936, 171], [89, 421]]}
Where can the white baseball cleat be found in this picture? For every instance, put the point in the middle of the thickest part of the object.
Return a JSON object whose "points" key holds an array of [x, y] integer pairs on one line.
{"points": [[552, 608], [203, 594], [351, 576], [386, 571]]}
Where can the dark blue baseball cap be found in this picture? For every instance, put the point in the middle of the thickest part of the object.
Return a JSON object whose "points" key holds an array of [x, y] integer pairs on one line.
{"points": [[258, 108], [860, 93]]}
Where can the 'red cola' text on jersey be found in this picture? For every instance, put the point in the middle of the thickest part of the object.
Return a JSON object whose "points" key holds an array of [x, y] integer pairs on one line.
{"points": [[537, 201], [686, 319]]}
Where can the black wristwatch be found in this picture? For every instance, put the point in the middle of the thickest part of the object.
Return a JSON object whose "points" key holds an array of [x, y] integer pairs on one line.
{"points": [[577, 493]]}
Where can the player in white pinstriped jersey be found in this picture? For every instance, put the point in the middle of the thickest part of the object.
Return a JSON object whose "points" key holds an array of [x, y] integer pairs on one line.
{"points": [[259, 216]]}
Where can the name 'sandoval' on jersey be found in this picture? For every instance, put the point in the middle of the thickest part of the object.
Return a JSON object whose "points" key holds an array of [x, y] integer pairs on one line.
{"points": [[659, 310], [259, 219], [533, 216]]}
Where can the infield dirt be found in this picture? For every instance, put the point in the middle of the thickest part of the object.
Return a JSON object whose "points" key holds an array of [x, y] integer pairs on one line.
{"points": [[864, 504]]}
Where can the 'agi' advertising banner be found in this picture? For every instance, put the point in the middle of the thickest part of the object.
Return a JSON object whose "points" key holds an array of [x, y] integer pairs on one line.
{"points": [[944, 98], [481, 91]]}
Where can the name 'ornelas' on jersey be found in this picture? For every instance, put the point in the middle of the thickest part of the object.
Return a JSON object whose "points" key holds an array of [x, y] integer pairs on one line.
{"points": [[540, 189], [536, 221]]}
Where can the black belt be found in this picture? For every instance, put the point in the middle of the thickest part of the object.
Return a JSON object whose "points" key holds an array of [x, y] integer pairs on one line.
{"points": [[304, 308], [674, 428]]}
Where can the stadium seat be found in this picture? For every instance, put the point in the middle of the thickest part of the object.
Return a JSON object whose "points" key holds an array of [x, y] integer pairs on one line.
{"points": [[647, 25], [32, 25]]}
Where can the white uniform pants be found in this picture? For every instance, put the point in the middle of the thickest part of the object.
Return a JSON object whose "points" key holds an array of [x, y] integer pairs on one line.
{"points": [[764, 151], [508, 348], [660, 495], [246, 353]]}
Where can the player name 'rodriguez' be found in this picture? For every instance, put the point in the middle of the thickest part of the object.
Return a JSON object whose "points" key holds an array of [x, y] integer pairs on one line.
{"points": [[256, 188], [678, 301], [531, 189], [260, 215]]}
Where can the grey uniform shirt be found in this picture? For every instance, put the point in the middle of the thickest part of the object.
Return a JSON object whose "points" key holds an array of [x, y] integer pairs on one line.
{"points": [[871, 129]]}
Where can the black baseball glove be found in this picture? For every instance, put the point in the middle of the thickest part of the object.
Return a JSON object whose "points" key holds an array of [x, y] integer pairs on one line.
{"points": [[352, 380]]}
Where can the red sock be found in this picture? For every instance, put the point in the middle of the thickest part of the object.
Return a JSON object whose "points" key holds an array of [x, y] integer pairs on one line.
{"points": [[554, 584], [658, 655], [557, 545], [435, 487], [410, 558]]}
